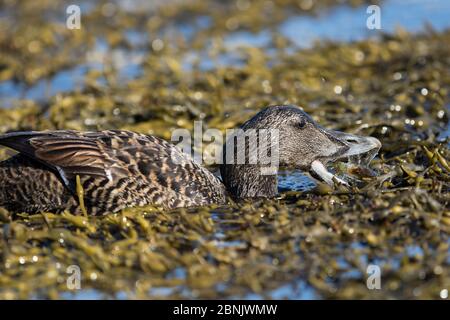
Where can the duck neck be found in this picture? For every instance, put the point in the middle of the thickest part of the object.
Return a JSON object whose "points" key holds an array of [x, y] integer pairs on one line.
{"points": [[249, 181]]}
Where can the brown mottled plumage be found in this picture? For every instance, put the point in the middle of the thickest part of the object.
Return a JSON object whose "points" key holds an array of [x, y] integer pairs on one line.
{"points": [[119, 169]]}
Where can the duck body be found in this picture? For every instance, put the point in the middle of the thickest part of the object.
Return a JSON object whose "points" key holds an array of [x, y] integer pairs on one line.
{"points": [[117, 169], [107, 171]]}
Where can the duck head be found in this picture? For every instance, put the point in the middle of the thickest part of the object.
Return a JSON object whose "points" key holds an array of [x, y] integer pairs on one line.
{"points": [[300, 142]]}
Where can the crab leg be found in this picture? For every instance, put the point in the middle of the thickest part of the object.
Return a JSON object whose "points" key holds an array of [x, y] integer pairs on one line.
{"points": [[326, 176]]}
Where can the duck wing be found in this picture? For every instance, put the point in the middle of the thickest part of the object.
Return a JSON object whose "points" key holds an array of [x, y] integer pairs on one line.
{"points": [[70, 153], [136, 168], [111, 154]]}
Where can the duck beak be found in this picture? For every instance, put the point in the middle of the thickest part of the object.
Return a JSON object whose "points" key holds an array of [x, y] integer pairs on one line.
{"points": [[360, 148], [357, 149]]}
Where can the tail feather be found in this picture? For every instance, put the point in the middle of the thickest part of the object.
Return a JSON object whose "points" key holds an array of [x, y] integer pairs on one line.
{"points": [[19, 141]]}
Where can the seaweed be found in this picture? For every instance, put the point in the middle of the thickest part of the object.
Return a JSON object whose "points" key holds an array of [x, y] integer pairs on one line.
{"points": [[395, 88]]}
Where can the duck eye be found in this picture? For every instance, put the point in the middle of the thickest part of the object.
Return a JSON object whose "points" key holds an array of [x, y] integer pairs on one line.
{"points": [[301, 124]]}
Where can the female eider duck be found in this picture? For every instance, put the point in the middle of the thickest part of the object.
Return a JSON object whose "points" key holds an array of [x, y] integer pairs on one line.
{"points": [[119, 169]]}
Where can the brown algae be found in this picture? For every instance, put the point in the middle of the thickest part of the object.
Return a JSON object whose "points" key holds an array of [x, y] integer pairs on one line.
{"points": [[396, 88]]}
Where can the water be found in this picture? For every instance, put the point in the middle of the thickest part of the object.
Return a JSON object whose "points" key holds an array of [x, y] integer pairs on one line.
{"points": [[294, 180], [341, 23], [349, 24]]}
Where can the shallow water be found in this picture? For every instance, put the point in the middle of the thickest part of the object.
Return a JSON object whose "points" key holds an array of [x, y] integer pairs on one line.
{"points": [[341, 23]]}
